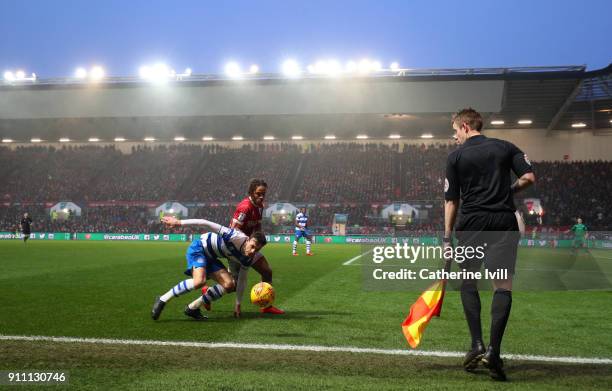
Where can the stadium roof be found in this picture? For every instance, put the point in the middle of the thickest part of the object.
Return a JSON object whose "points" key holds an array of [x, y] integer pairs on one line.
{"points": [[553, 98]]}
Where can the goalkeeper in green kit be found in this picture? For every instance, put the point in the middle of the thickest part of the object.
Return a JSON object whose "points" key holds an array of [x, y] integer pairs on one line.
{"points": [[580, 235]]}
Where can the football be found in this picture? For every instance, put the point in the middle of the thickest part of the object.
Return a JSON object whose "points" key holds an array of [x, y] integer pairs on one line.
{"points": [[262, 294]]}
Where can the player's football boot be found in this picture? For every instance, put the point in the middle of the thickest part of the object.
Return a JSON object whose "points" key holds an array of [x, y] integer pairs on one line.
{"points": [[472, 358], [494, 364], [310, 254], [158, 307], [195, 314], [205, 304], [272, 310], [295, 254]]}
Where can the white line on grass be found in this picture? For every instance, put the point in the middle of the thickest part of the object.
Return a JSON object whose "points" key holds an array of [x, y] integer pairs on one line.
{"points": [[601, 257], [355, 258], [299, 348]]}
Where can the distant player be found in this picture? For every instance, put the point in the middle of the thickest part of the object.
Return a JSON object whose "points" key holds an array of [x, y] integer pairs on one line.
{"points": [[203, 262], [247, 218], [301, 231], [26, 223], [580, 235]]}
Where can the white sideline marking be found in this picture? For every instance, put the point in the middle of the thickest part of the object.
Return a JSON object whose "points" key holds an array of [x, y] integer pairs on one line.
{"points": [[300, 348], [355, 258]]}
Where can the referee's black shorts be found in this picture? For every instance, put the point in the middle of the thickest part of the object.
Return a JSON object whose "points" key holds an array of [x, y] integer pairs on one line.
{"points": [[497, 233]]}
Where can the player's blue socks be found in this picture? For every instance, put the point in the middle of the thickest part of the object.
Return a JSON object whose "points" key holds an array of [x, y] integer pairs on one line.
{"points": [[213, 293], [179, 289]]}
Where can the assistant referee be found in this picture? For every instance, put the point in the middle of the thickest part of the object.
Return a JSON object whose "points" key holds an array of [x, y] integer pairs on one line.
{"points": [[479, 174]]}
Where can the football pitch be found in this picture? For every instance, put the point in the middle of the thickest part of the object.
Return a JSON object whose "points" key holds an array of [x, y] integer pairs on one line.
{"points": [[101, 294]]}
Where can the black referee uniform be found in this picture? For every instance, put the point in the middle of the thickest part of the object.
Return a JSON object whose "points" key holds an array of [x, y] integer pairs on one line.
{"points": [[26, 221], [479, 173]]}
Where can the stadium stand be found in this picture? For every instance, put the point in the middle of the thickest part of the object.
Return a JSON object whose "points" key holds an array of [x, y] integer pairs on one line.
{"points": [[352, 178]]}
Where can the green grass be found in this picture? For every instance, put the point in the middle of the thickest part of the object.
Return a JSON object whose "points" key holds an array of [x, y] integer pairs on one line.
{"points": [[106, 289], [151, 367]]}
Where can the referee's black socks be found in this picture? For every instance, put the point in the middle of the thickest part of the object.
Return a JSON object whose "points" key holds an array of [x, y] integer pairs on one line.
{"points": [[500, 312], [471, 307]]}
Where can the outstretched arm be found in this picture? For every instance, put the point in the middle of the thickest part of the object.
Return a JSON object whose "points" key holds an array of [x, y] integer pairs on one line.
{"points": [[240, 287], [208, 225], [241, 283]]}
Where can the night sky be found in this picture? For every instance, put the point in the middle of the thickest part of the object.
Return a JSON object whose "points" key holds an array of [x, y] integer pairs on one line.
{"points": [[53, 37]]}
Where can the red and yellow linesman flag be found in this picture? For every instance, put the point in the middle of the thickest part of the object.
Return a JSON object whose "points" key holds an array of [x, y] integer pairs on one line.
{"points": [[428, 305]]}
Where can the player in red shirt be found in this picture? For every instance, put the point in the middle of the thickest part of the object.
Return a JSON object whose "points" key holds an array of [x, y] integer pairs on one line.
{"points": [[247, 218]]}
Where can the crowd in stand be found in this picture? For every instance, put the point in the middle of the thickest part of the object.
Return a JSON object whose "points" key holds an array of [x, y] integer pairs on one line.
{"points": [[224, 176], [347, 172], [117, 219], [141, 219], [422, 171], [571, 190], [356, 179], [42, 174]]}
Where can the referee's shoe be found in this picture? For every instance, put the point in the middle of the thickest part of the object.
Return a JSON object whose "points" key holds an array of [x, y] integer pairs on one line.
{"points": [[473, 357], [494, 364]]}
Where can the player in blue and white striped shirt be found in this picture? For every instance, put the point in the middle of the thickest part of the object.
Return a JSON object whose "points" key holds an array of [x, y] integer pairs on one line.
{"points": [[301, 231], [203, 262]]}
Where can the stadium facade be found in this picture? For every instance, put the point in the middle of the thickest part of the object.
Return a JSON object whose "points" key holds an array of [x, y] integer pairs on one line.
{"points": [[552, 106]]}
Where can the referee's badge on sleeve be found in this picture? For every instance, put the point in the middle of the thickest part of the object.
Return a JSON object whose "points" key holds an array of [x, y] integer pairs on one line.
{"points": [[446, 185], [527, 159]]}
